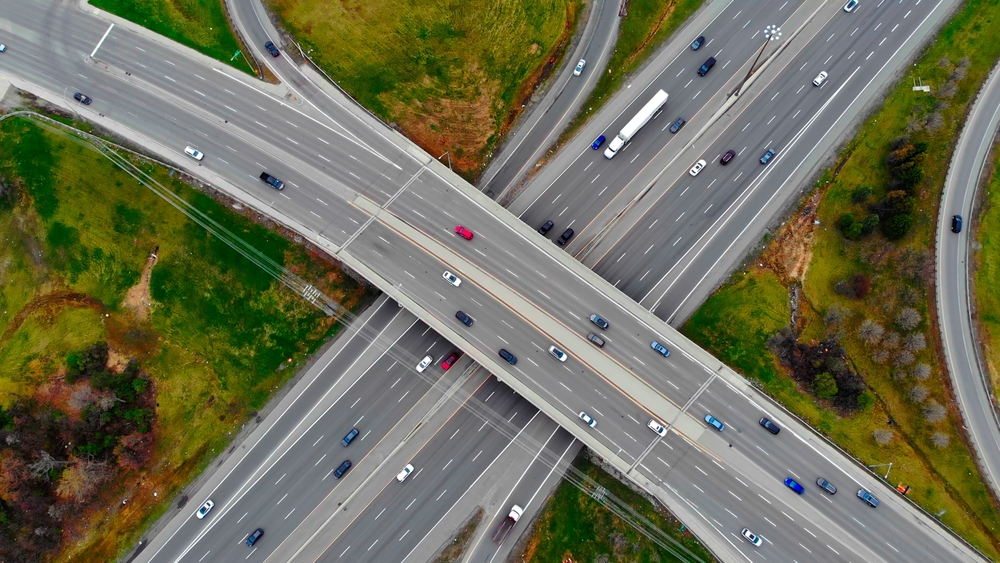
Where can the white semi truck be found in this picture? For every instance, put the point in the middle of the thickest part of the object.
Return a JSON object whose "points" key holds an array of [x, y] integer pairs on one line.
{"points": [[633, 126]]}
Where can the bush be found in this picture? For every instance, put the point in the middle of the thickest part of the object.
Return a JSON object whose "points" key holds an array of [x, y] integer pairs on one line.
{"points": [[825, 386], [921, 371], [861, 194], [861, 284], [845, 222], [915, 342], [866, 400], [934, 412], [897, 226], [853, 232], [869, 225], [870, 332], [919, 393], [940, 439], [908, 318]]}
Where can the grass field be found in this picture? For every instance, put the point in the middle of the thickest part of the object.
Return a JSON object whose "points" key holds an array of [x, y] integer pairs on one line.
{"points": [[647, 25], [574, 525], [199, 24], [219, 337], [452, 75], [987, 271], [901, 276]]}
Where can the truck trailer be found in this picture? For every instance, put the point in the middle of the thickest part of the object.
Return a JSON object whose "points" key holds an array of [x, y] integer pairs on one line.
{"points": [[632, 127]]}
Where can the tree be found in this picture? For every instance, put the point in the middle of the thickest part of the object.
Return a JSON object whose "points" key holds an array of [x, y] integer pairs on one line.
{"points": [[891, 340], [880, 357], [897, 226], [915, 342], [870, 332], [835, 315], [940, 439], [918, 393], [44, 464], [896, 202], [861, 194], [921, 371], [908, 318], [934, 412], [89, 361], [865, 400], [869, 224], [904, 358], [861, 284], [845, 221], [882, 436], [853, 232], [825, 386], [81, 478], [82, 397], [133, 450]]}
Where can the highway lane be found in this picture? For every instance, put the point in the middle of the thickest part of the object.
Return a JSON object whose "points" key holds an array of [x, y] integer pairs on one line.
{"points": [[788, 114], [954, 276], [532, 256], [590, 183]]}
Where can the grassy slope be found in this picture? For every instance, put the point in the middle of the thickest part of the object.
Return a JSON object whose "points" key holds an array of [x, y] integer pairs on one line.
{"points": [[220, 327], [939, 477], [987, 271], [449, 73], [199, 24], [575, 525]]}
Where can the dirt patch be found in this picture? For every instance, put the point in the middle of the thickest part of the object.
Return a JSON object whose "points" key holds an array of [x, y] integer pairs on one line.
{"points": [[137, 298], [791, 251]]}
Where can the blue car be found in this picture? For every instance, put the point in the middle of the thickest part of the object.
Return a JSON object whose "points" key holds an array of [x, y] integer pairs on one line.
{"points": [[349, 438], [698, 43], [791, 484], [715, 422], [660, 348], [598, 142], [767, 156]]}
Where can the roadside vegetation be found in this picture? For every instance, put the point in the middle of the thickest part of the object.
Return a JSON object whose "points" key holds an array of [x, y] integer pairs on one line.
{"points": [[450, 75], [199, 24], [575, 528], [648, 24], [123, 374], [857, 265], [987, 271]]}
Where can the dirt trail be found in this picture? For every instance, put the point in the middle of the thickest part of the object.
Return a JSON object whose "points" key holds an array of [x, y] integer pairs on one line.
{"points": [[137, 298]]}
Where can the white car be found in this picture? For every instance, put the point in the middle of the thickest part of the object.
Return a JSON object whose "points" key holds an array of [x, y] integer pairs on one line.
{"points": [[557, 353], [851, 4], [2, 47], [586, 418], [697, 167], [820, 78], [451, 278], [428, 360], [194, 153], [205, 509], [751, 537], [657, 427], [402, 475], [579, 67]]}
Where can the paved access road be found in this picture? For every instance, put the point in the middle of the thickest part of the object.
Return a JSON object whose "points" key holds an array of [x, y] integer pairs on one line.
{"points": [[336, 182], [954, 275]]}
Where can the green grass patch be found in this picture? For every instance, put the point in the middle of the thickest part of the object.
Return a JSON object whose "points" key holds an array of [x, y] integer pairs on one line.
{"points": [[576, 526], [647, 25], [198, 24], [928, 454], [219, 337], [450, 74]]}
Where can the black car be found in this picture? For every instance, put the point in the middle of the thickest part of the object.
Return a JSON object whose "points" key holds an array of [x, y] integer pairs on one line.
{"points": [[770, 426], [465, 319], [508, 356], [564, 238], [271, 49], [677, 125], [85, 100], [597, 340], [698, 43], [339, 472], [349, 438], [707, 66], [252, 538], [272, 181], [545, 228], [730, 154], [956, 223]]}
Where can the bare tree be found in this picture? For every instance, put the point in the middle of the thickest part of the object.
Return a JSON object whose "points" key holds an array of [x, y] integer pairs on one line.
{"points": [[940, 439], [944, 62], [44, 464], [882, 436], [870, 332], [921, 371], [934, 412], [918, 393], [880, 356], [836, 315], [899, 374], [915, 341], [82, 398], [947, 90], [958, 73], [934, 121], [106, 401], [891, 340], [80, 480], [908, 318], [904, 358]]}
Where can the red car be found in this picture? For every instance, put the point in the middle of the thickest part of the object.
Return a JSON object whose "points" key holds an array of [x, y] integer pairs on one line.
{"points": [[463, 232], [449, 361]]}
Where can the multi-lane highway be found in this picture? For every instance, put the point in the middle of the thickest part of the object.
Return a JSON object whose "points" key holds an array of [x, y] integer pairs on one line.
{"points": [[390, 211]]}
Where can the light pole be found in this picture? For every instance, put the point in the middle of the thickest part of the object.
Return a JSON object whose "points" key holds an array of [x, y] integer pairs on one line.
{"points": [[771, 33]]}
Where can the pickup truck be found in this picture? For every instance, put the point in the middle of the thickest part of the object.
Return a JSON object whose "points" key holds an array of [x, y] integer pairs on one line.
{"points": [[274, 182]]}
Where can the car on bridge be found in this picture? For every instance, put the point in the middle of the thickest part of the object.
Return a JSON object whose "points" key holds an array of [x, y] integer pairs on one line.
{"points": [[428, 360], [511, 359], [564, 238], [402, 475], [451, 278], [599, 321], [751, 537], [869, 498], [557, 353], [339, 472], [253, 537], [450, 360], [730, 154], [463, 232], [463, 318], [826, 486], [715, 423], [597, 340], [350, 437], [677, 125], [794, 485], [544, 229], [588, 419], [697, 167], [657, 427], [660, 348]]}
